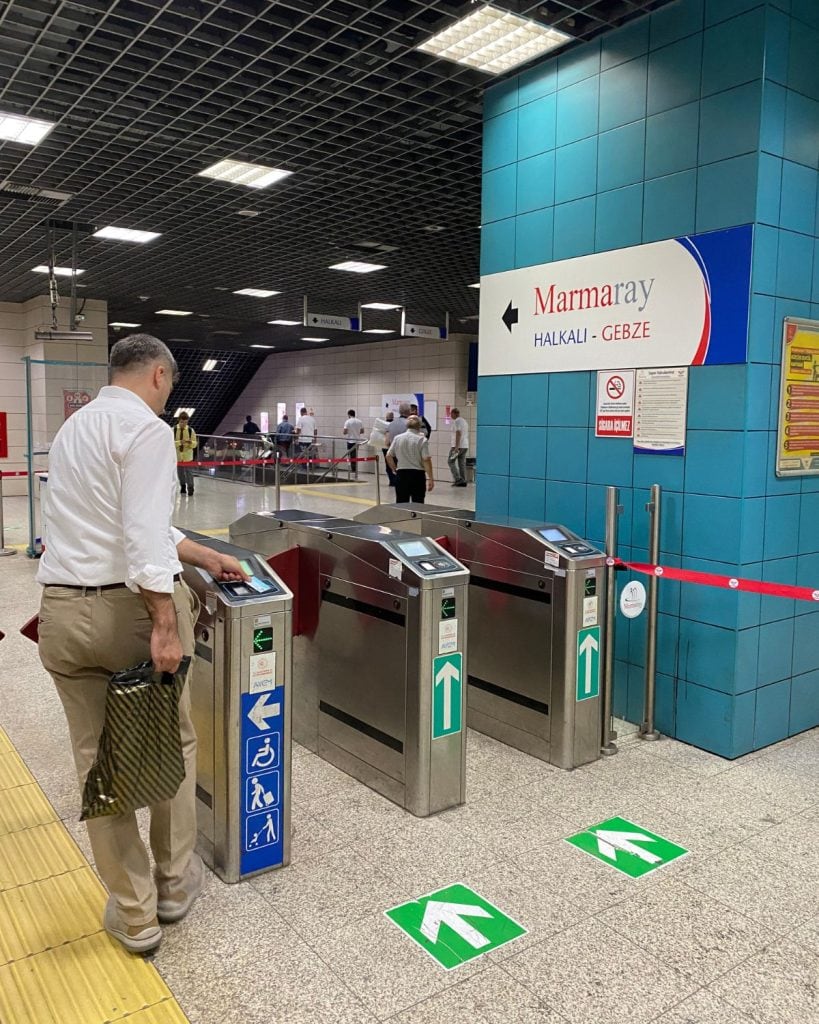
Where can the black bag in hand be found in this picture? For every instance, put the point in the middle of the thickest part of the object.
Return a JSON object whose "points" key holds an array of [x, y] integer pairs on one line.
{"points": [[139, 759]]}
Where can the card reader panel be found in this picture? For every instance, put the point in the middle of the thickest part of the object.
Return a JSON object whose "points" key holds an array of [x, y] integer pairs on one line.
{"points": [[424, 557], [259, 587]]}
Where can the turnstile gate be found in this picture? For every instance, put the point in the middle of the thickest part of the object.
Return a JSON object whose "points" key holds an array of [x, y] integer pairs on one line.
{"points": [[536, 614], [379, 651], [241, 709]]}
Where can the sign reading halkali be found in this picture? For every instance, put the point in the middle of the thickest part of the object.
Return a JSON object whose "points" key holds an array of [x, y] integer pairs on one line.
{"points": [[680, 302]]}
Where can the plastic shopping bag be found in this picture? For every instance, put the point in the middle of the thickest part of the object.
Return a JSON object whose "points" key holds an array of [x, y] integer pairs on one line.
{"points": [[139, 759]]}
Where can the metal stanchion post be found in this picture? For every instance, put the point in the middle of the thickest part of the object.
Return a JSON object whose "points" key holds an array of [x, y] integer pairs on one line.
{"points": [[278, 480], [647, 730], [613, 510], [377, 480], [3, 549]]}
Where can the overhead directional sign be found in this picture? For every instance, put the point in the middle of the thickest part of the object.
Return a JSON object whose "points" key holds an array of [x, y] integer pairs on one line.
{"points": [[327, 321], [588, 663], [424, 331], [630, 849], [447, 685], [455, 925]]}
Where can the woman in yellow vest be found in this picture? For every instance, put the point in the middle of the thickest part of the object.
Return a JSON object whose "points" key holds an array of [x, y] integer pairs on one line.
{"points": [[185, 438]]}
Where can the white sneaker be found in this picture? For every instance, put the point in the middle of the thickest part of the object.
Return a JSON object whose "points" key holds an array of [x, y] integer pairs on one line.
{"points": [[174, 903], [136, 938]]}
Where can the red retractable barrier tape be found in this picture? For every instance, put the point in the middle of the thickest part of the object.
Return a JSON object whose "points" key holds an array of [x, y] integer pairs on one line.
{"points": [[710, 579]]}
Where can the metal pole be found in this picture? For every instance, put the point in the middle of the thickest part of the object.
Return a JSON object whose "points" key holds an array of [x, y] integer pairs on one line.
{"points": [[647, 730], [32, 550], [377, 480], [3, 549], [613, 510], [278, 481]]}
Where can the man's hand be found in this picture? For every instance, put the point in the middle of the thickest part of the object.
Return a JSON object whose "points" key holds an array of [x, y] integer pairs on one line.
{"points": [[430, 483], [166, 649], [225, 568]]}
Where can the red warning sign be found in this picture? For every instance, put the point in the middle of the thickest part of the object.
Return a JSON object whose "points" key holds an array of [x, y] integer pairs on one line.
{"points": [[615, 403]]}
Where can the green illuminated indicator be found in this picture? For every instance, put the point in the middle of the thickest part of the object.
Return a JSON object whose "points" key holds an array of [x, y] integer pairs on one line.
{"points": [[590, 587], [263, 639], [447, 607]]}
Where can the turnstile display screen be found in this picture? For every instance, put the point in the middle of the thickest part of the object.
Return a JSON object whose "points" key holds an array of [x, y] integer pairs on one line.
{"points": [[553, 535], [413, 548]]}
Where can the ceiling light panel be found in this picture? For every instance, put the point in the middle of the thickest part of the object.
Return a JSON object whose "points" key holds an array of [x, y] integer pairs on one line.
{"points": [[378, 330], [121, 323], [285, 323], [236, 172], [208, 365], [126, 235], [174, 312], [256, 293], [357, 267], [379, 305], [493, 40], [58, 271], [28, 131], [315, 339], [262, 346]]}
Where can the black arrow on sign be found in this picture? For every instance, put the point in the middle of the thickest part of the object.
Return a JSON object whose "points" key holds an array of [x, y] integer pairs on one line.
{"points": [[510, 317]]}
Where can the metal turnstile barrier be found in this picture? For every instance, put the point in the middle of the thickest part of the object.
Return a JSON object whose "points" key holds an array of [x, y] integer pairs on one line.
{"points": [[242, 708], [379, 651], [536, 612]]}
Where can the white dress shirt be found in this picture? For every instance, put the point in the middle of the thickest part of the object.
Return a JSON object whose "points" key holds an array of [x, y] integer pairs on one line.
{"points": [[460, 424], [306, 426], [110, 496]]}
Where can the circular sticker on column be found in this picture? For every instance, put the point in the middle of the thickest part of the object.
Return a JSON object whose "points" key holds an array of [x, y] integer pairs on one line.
{"points": [[633, 599]]}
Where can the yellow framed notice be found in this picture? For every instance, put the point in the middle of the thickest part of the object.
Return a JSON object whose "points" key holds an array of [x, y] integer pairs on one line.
{"points": [[798, 434]]}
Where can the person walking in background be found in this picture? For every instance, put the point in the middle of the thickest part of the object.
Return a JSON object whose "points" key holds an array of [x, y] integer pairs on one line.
{"points": [[388, 420], [460, 446], [397, 425], [354, 432], [185, 440], [306, 430], [425, 427], [284, 435], [250, 427], [408, 456], [112, 598]]}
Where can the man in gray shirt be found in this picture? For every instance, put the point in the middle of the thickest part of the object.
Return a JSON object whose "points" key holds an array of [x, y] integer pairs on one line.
{"points": [[409, 459]]}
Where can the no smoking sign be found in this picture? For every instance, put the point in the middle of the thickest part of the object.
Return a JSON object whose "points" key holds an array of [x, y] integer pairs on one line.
{"points": [[615, 403]]}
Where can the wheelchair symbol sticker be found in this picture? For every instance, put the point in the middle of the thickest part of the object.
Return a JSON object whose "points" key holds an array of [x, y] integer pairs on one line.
{"points": [[263, 752]]}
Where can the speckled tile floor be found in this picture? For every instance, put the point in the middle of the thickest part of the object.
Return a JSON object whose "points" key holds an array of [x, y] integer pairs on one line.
{"points": [[726, 935]]}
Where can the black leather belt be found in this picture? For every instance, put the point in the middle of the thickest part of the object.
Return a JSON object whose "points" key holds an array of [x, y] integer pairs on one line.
{"points": [[100, 586]]}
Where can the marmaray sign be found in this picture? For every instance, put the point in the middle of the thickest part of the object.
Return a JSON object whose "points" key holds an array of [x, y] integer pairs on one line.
{"points": [[680, 302]]}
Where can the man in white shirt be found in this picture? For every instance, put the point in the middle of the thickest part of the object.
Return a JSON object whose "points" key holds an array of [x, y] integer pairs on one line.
{"points": [[409, 459], [460, 446], [354, 432], [112, 598], [306, 430]]}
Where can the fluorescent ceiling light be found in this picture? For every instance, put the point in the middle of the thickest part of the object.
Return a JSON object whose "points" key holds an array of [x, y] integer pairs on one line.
{"points": [[58, 271], [262, 346], [315, 339], [477, 285], [378, 330], [357, 267], [174, 312], [379, 305], [230, 334], [121, 323], [248, 213], [236, 172], [209, 364], [285, 323], [126, 235], [26, 130], [256, 293], [493, 40], [190, 412]]}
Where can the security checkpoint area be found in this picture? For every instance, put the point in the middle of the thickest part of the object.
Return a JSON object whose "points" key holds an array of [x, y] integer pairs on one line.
{"points": [[379, 654], [536, 607], [540, 749]]}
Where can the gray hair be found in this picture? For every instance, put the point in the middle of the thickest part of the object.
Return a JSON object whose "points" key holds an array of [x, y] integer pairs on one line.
{"points": [[414, 423], [404, 409], [138, 352]]}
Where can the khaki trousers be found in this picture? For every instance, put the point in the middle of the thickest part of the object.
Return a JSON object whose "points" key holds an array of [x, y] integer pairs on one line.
{"points": [[85, 636]]}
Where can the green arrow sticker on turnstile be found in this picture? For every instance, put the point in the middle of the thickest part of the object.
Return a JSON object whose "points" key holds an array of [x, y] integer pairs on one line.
{"points": [[447, 607], [455, 925], [588, 663], [446, 695]]}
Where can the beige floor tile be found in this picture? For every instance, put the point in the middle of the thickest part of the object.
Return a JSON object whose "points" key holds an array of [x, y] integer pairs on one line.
{"points": [[703, 1008], [780, 985]]}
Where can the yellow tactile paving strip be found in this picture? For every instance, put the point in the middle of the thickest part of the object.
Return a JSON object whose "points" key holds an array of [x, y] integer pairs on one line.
{"points": [[57, 965]]}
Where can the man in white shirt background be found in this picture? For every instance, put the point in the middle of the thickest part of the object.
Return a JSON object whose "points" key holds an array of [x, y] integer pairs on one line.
{"points": [[460, 446], [112, 598], [306, 430], [354, 432]]}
